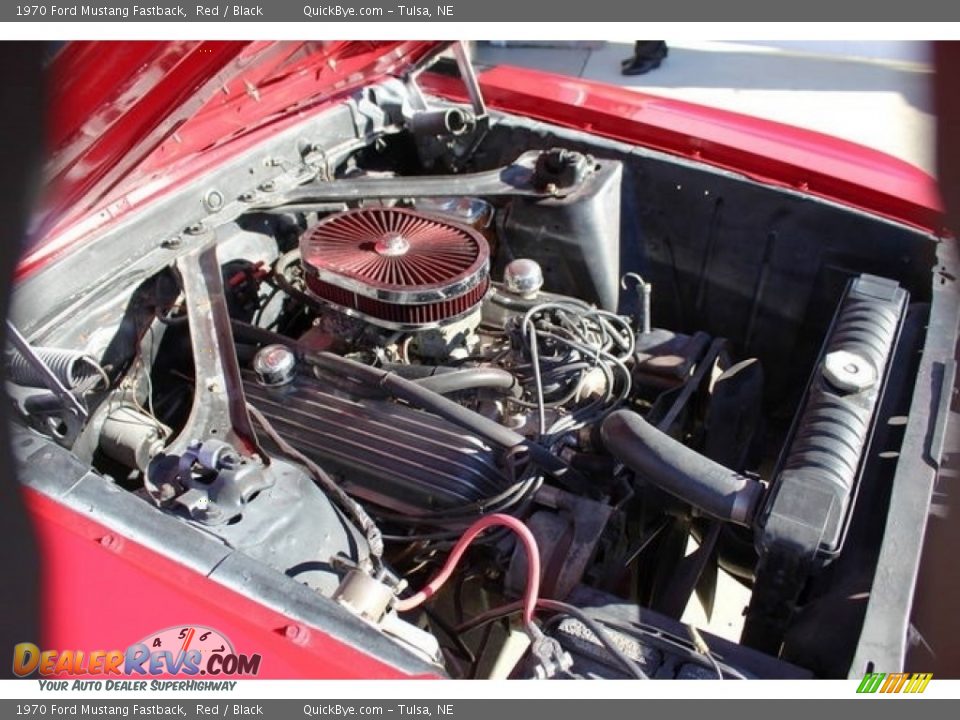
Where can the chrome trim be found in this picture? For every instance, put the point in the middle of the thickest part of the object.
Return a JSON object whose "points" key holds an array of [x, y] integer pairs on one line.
{"points": [[403, 327], [419, 296], [392, 245]]}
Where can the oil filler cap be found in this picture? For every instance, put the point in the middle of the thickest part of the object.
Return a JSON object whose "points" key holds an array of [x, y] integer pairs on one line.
{"points": [[275, 365], [848, 371], [523, 277]]}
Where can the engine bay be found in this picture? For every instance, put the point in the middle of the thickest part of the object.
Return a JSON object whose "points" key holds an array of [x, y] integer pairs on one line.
{"points": [[466, 387]]}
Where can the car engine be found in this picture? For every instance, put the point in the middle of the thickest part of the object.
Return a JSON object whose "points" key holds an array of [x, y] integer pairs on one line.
{"points": [[449, 402]]}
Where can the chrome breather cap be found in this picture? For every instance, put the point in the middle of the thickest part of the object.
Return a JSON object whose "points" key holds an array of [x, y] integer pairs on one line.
{"points": [[523, 277]]}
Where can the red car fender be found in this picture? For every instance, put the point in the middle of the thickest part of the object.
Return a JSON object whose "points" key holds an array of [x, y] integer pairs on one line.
{"points": [[102, 591]]}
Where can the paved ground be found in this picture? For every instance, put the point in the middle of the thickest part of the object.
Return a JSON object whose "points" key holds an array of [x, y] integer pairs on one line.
{"points": [[883, 104]]}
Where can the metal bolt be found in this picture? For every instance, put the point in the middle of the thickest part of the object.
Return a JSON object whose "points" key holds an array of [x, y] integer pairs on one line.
{"points": [[194, 229], [213, 200], [848, 371], [171, 243], [296, 634], [110, 542]]}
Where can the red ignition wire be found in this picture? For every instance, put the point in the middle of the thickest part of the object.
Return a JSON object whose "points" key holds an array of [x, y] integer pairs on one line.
{"points": [[530, 595]]}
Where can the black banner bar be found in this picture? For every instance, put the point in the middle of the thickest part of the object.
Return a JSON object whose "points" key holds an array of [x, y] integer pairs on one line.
{"points": [[576, 11], [328, 709]]}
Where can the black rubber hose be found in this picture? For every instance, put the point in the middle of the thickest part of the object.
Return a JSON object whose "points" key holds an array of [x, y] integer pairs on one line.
{"points": [[445, 380], [415, 372], [42, 402], [588, 462], [431, 401], [472, 379], [682, 472], [242, 331], [259, 335]]}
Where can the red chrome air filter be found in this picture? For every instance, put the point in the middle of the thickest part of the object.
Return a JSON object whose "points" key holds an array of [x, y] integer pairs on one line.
{"points": [[396, 268]]}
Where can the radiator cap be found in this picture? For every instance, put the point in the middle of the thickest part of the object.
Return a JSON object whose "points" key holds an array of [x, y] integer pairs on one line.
{"points": [[848, 371]]}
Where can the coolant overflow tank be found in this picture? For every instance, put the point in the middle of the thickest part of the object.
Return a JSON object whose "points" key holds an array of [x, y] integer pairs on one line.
{"points": [[576, 237]]}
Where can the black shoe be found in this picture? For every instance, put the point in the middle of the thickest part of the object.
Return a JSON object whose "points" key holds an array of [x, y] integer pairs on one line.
{"points": [[647, 56], [640, 66]]}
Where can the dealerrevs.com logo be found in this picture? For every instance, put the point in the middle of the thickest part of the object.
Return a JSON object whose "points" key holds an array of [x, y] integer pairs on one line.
{"points": [[190, 650]]}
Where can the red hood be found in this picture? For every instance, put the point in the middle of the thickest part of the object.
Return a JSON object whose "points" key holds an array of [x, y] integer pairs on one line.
{"points": [[126, 115], [113, 104]]}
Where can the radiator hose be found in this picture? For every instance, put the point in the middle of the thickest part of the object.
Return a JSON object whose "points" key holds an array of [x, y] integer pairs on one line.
{"points": [[680, 471]]}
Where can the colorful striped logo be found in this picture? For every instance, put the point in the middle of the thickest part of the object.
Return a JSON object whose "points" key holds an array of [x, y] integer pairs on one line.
{"points": [[895, 682]]}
